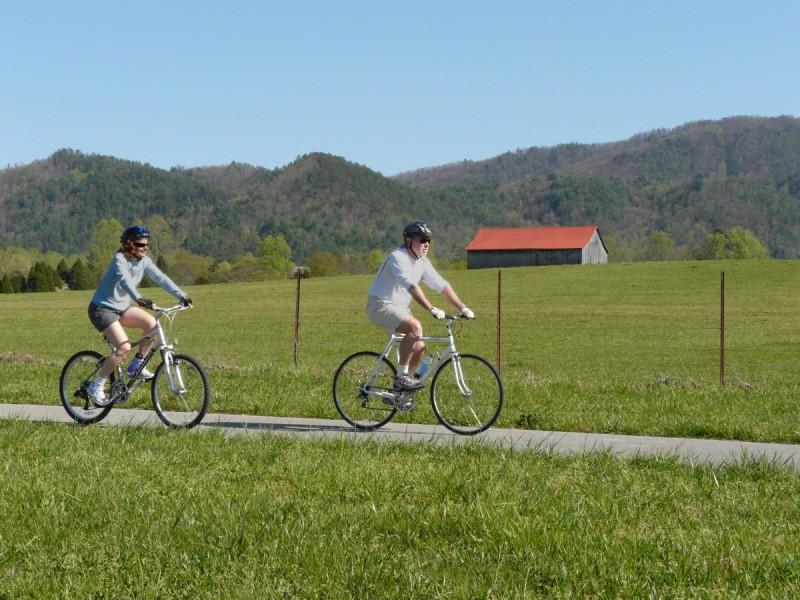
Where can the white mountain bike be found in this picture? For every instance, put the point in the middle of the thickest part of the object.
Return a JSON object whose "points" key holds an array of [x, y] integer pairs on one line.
{"points": [[466, 391], [179, 388]]}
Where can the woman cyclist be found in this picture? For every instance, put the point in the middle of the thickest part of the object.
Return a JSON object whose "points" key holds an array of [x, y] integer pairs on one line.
{"points": [[110, 309]]}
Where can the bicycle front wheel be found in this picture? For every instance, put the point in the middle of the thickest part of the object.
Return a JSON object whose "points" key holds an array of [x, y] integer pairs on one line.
{"points": [[183, 401], [356, 377], [467, 394], [79, 371]]}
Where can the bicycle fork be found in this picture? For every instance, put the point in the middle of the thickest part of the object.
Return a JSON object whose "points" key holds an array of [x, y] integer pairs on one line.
{"points": [[462, 385], [174, 375]]}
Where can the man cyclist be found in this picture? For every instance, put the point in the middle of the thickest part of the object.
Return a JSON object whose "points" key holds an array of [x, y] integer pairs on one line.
{"points": [[392, 290], [110, 308]]}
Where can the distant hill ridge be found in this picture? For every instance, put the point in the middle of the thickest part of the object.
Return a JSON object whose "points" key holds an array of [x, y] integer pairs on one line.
{"points": [[765, 148], [685, 181]]}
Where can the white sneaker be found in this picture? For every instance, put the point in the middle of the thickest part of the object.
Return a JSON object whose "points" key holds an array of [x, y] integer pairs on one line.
{"points": [[97, 394], [145, 374], [407, 382]]}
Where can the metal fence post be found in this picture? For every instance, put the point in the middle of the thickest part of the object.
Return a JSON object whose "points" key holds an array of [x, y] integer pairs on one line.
{"points": [[722, 328], [499, 308], [297, 273], [297, 320]]}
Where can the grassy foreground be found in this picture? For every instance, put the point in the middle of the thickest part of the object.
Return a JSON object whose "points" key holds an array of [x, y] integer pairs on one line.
{"points": [[624, 348], [150, 513]]}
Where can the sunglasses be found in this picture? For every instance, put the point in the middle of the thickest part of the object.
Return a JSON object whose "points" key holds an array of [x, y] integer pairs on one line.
{"points": [[141, 244], [424, 240]]}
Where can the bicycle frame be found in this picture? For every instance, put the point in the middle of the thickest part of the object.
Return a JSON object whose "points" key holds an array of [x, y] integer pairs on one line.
{"points": [[450, 352], [122, 392]]}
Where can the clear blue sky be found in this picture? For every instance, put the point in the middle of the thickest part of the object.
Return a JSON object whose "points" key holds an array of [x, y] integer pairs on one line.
{"points": [[392, 85]]}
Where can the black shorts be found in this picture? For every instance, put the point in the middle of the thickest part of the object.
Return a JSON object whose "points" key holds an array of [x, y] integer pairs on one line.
{"points": [[102, 316]]}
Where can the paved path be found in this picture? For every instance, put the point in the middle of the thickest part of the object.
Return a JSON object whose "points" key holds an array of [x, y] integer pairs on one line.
{"points": [[693, 451]]}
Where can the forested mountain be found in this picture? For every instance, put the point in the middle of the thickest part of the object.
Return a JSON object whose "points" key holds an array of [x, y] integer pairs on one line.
{"points": [[318, 203], [761, 148], [686, 182]]}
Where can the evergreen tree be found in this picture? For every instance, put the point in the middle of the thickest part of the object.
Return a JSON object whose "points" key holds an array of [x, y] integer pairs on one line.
{"points": [[80, 277], [42, 278], [63, 270], [6, 287], [17, 282], [35, 282]]}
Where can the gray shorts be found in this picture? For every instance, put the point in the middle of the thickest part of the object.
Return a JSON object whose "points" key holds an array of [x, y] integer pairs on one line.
{"points": [[101, 316], [386, 315]]}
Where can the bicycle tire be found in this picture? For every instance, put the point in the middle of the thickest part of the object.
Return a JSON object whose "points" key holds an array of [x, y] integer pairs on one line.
{"points": [[467, 415], [363, 412], [76, 374], [185, 409]]}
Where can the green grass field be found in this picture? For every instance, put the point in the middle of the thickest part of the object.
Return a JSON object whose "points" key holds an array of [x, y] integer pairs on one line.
{"points": [[625, 348], [152, 513]]}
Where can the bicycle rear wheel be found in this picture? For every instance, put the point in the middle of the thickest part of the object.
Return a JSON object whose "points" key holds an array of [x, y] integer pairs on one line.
{"points": [[184, 403], [472, 407], [79, 371], [358, 374]]}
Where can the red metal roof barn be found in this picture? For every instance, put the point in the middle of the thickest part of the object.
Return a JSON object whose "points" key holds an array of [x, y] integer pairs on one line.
{"points": [[534, 246]]}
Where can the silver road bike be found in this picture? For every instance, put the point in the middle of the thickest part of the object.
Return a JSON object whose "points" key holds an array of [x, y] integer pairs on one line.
{"points": [[465, 390], [179, 389]]}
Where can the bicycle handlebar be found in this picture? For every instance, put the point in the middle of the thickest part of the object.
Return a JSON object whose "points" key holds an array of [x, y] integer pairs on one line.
{"points": [[172, 309], [458, 317]]}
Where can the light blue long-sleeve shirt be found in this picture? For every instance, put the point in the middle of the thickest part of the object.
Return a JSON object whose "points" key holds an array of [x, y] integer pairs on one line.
{"points": [[117, 288]]}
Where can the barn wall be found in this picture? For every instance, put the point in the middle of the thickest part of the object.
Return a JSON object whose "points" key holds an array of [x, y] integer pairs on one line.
{"points": [[595, 253], [487, 259]]}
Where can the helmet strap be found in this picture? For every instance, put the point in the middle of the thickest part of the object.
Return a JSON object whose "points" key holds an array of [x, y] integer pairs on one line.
{"points": [[410, 247]]}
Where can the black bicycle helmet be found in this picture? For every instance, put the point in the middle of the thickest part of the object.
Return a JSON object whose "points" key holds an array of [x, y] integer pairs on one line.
{"points": [[417, 228], [137, 232]]}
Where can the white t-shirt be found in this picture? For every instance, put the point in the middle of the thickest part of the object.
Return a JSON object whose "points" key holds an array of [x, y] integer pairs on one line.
{"points": [[399, 272]]}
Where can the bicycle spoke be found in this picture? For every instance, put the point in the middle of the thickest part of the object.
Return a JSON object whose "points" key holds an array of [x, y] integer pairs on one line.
{"points": [[356, 385], [76, 375], [183, 400], [467, 397]]}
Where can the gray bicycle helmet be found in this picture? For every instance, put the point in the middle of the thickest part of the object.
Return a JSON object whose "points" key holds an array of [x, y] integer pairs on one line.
{"points": [[417, 228]]}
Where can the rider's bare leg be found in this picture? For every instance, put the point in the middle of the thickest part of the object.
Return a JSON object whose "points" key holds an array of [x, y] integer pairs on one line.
{"points": [[137, 318], [411, 348], [119, 339], [133, 317]]}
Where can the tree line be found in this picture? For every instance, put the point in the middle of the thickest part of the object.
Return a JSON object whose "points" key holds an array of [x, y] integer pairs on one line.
{"points": [[24, 270]]}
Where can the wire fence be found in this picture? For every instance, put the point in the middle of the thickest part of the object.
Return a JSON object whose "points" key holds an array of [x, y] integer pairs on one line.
{"points": [[655, 333]]}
